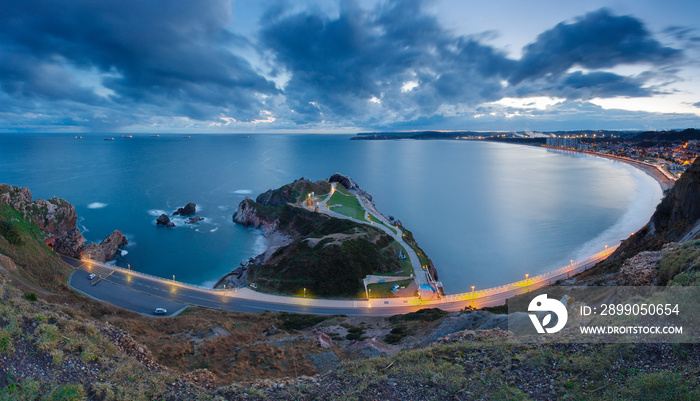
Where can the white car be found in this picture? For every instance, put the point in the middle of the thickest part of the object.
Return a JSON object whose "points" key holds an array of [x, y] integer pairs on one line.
{"points": [[160, 311], [91, 276]]}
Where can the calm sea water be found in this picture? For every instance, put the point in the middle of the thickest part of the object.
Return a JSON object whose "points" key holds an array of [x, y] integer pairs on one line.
{"points": [[485, 213]]}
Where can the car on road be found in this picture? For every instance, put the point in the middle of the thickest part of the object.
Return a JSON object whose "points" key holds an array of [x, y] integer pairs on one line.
{"points": [[160, 311], [91, 276]]}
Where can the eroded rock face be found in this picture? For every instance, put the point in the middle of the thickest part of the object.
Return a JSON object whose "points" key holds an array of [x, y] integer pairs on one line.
{"points": [[643, 268], [247, 216], [57, 219], [70, 244], [188, 210], [54, 216], [107, 249], [681, 206]]}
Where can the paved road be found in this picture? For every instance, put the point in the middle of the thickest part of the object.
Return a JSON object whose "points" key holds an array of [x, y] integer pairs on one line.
{"points": [[142, 293]]}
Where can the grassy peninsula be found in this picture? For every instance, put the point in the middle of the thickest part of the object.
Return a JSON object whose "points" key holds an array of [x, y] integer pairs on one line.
{"points": [[314, 253]]}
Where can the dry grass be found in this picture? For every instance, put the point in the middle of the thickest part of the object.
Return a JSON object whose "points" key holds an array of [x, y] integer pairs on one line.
{"points": [[243, 352]]}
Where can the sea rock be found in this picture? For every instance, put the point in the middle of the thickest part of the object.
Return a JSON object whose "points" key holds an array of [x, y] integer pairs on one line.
{"points": [[107, 249], [188, 210], [163, 220], [170, 224], [193, 220]]}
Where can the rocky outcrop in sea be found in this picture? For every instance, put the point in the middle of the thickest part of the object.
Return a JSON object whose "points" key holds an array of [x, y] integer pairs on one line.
{"points": [[107, 249], [188, 210], [164, 220]]}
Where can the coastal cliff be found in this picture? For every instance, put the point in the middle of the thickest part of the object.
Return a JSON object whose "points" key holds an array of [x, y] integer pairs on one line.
{"points": [[312, 251], [57, 220], [640, 259]]}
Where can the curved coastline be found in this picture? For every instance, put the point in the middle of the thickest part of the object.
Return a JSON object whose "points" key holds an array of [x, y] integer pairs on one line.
{"points": [[664, 181]]}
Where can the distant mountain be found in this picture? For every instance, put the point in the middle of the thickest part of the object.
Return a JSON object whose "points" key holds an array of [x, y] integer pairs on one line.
{"points": [[670, 136]]}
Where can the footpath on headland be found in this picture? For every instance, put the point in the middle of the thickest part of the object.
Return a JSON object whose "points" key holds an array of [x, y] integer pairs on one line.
{"points": [[420, 274]]}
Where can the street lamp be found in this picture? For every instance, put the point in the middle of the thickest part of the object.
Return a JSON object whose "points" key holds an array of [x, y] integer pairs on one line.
{"points": [[527, 275], [304, 292], [129, 266], [173, 277]]}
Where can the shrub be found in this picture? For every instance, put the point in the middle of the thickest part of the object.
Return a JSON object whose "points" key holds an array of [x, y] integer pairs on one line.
{"points": [[355, 333], [10, 232], [395, 335], [294, 321], [31, 296], [425, 315]]}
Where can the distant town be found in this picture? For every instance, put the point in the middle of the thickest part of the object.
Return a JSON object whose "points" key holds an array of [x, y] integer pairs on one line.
{"points": [[672, 150]]}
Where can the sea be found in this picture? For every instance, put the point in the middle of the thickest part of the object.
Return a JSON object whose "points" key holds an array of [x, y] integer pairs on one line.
{"points": [[486, 213]]}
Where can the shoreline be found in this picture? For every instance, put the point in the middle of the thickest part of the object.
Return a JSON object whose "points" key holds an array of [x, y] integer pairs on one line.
{"points": [[651, 170]]}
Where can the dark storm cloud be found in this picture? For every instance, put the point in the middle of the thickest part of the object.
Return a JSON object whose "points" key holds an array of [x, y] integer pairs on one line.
{"points": [[585, 86], [116, 63], [155, 52], [596, 40], [338, 64]]}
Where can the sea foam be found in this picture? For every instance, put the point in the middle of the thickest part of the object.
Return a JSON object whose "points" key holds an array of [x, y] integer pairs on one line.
{"points": [[97, 205]]}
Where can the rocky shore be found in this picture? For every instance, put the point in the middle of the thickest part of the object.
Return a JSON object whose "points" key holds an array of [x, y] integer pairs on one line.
{"points": [[57, 220]]}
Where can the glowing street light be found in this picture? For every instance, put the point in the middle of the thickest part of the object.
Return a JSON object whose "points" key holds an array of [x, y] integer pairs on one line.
{"points": [[472, 288], [527, 275], [304, 292], [173, 277]]}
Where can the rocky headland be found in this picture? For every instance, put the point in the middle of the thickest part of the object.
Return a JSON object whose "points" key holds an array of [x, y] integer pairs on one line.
{"points": [[310, 250], [57, 220]]}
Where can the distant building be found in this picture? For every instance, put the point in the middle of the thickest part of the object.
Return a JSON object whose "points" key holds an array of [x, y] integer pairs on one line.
{"points": [[566, 143]]}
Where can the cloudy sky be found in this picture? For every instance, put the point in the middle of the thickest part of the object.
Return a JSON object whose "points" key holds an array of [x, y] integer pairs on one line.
{"points": [[347, 66]]}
